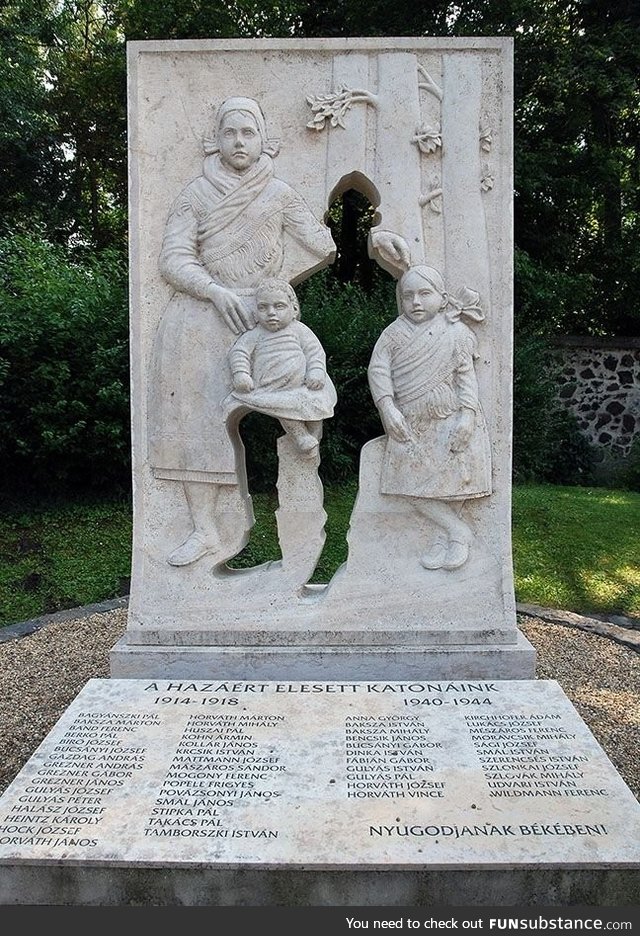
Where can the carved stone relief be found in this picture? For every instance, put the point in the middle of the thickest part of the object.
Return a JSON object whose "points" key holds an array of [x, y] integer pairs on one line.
{"points": [[333, 107], [279, 368], [218, 333], [223, 246]]}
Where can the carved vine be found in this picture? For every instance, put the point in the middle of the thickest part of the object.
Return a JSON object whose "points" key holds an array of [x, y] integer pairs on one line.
{"points": [[487, 180], [486, 142], [486, 138], [428, 84]]}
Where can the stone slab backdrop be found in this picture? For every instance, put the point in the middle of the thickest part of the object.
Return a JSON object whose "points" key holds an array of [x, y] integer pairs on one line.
{"points": [[237, 150]]}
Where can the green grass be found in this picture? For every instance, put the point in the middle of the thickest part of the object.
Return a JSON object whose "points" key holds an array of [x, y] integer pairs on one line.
{"points": [[577, 548], [263, 543], [573, 548], [62, 556]]}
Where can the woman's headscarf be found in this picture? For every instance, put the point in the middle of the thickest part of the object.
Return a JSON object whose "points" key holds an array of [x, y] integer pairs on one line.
{"points": [[247, 106]]}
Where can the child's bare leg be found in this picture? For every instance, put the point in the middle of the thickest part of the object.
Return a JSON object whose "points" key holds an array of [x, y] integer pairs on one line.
{"points": [[451, 549], [305, 442]]}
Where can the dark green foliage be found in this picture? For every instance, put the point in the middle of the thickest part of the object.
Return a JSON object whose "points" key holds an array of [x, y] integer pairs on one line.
{"points": [[547, 445], [259, 435], [350, 218], [628, 477], [215, 19], [547, 294], [619, 472], [577, 126], [88, 100], [32, 165], [348, 322], [64, 385]]}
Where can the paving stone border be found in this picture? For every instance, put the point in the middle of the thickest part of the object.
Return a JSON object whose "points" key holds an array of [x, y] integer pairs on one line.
{"points": [[23, 628], [623, 630]]}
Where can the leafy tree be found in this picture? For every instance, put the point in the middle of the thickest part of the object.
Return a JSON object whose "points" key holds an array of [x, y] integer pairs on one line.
{"points": [[192, 19], [33, 166], [88, 97], [63, 104], [577, 184]]}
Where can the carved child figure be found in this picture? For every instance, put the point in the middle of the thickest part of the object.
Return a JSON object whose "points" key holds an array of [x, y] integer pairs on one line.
{"points": [[279, 367], [423, 381]]}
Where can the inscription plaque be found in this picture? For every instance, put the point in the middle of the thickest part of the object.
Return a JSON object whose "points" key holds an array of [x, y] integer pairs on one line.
{"points": [[296, 774]]}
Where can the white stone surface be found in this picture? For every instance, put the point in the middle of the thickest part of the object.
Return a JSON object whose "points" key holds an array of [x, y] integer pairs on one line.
{"points": [[423, 128], [349, 661], [319, 775]]}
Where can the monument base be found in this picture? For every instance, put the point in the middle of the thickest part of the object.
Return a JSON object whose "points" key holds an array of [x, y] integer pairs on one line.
{"points": [[79, 886], [502, 661], [351, 793]]}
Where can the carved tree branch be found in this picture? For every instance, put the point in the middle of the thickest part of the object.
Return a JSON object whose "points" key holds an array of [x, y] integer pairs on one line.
{"points": [[429, 84], [334, 106]]}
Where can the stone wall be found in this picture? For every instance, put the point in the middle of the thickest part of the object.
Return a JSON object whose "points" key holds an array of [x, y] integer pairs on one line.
{"points": [[600, 383]]}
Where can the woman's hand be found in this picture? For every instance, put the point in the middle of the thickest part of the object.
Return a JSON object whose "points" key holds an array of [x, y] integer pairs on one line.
{"points": [[391, 247], [232, 309]]}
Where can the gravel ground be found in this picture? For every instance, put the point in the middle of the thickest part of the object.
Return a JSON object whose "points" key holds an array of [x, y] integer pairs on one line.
{"points": [[42, 672]]}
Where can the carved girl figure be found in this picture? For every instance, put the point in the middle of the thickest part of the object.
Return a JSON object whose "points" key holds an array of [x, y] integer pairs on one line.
{"points": [[422, 378], [225, 233], [279, 367]]}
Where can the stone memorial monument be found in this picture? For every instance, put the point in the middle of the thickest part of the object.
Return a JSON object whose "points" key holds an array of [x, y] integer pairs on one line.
{"points": [[378, 739], [237, 150]]}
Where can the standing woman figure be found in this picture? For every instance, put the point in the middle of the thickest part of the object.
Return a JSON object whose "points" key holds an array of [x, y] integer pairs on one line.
{"points": [[225, 233]]}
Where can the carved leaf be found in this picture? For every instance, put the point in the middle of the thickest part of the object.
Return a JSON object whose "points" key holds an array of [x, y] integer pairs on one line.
{"points": [[427, 146], [486, 138], [427, 138], [433, 199]]}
